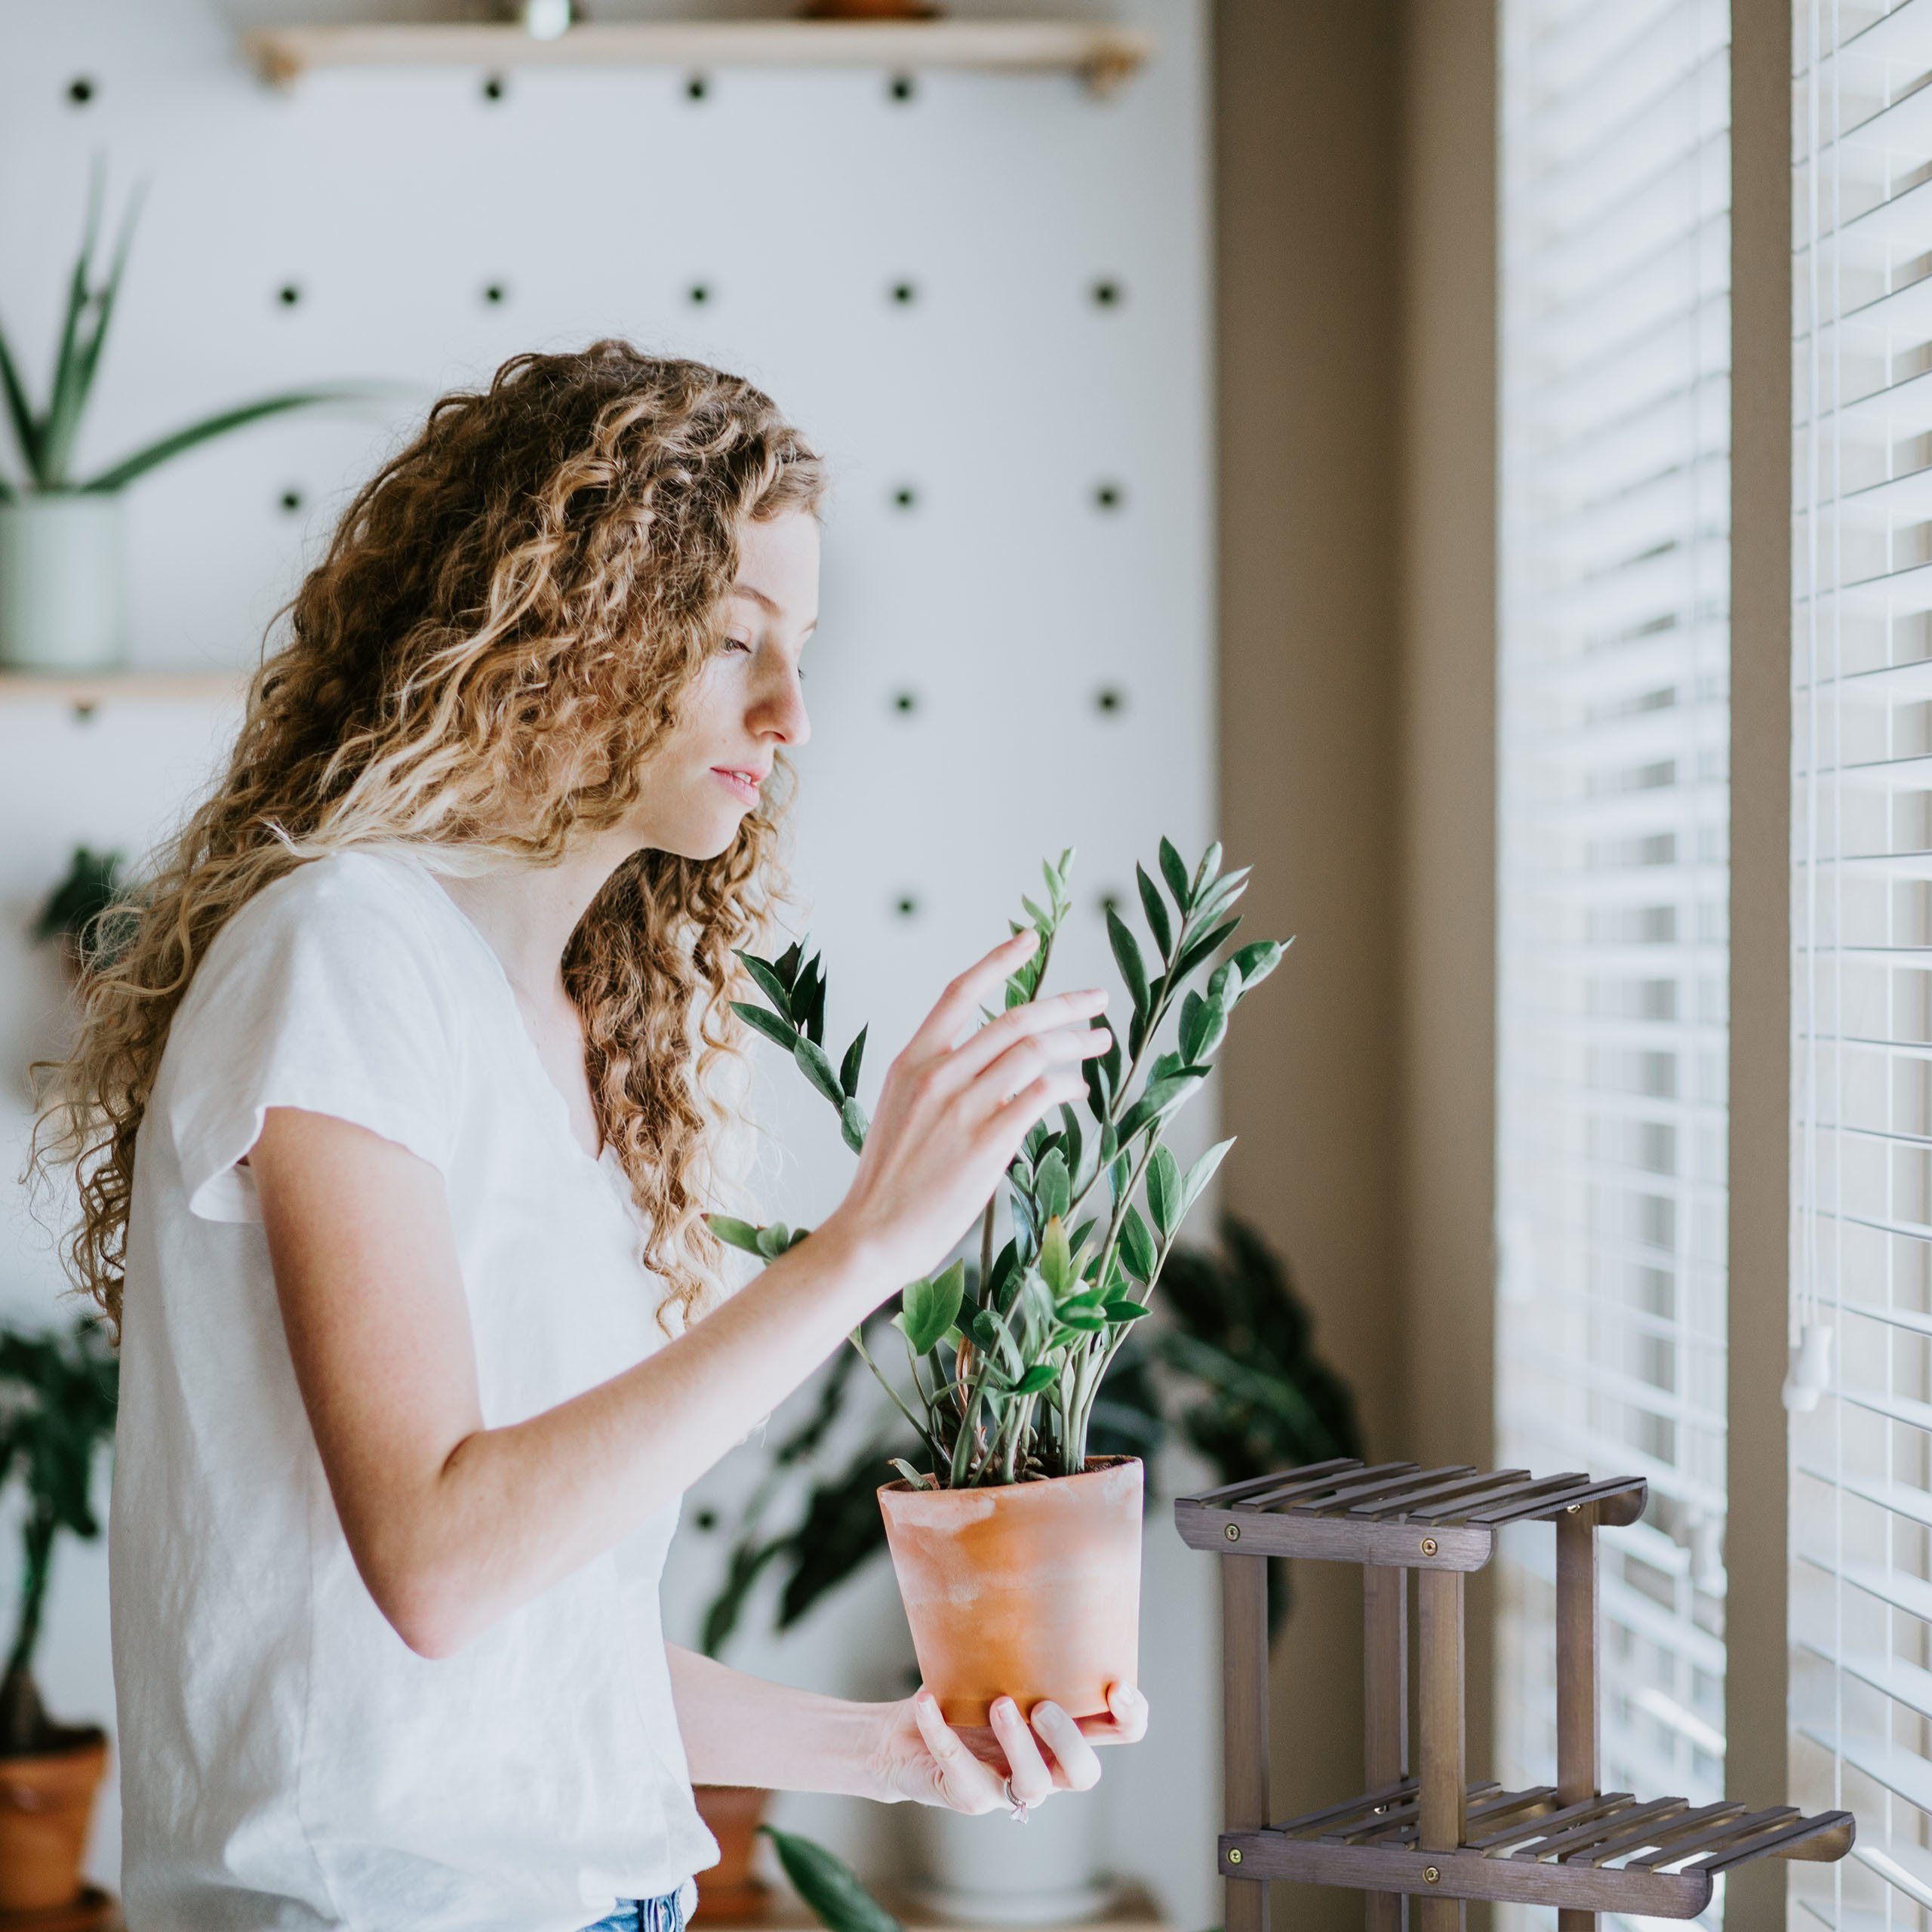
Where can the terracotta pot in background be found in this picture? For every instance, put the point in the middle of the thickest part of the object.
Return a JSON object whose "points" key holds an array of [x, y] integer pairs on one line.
{"points": [[1029, 1591], [46, 1806], [732, 1814]]}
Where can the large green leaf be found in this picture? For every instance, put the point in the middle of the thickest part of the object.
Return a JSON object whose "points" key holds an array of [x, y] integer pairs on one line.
{"points": [[929, 1309], [818, 1069], [854, 1126], [1136, 1246], [734, 1233], [1202, 948], [19, 413], [1151, 904], [828, 1886], [1258, 960], [1210, 865], [65, 395], [1127, 957], [1164, 1191], [1174, 870], [179, 441], [1056, 1258], [1160, 1098], [773, 988], [766, 1022], [855, 1054], [1052, 1187], [1200, 1174]]}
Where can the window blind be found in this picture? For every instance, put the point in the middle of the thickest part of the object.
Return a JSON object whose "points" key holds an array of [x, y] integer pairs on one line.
{"points": [[1861, 1495], [1614, 650]]}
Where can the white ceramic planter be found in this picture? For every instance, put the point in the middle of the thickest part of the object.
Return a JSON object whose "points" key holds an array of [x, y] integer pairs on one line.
{"points": [[62, 605], [989, 1870]]}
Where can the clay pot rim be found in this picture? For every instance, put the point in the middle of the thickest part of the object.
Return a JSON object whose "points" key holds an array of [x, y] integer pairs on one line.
{"points": [[90, 1739], [1096, 1466]]}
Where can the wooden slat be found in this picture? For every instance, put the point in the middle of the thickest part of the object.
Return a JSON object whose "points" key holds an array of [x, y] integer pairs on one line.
{"points": [[1440, 1744], [1555, 1492], [1310, 1823], [1778, 1841], [1505, 1802], [1229, 1494], [1492, 1844], [1288, 1490], [1534, 1486], [1596, 1496], [1583, 1838], [1336, 1538], [1244, 1724], [1465, 1486], [1717, 1835], [1341, 1497], [1401, 1821], [1655, 1832]]}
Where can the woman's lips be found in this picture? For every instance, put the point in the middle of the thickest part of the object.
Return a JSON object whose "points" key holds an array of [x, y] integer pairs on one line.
{"points": [[747, 793]]}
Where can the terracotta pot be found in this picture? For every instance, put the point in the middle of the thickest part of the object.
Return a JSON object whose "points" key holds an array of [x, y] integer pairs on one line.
{"points": [[1030, 1591], [732, 1814], [46, 1805]]}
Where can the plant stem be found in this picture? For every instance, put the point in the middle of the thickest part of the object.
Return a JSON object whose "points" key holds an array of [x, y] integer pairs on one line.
{"points": [[858, 1342]]}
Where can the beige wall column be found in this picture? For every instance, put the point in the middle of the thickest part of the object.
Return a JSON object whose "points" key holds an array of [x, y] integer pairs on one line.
{"points": [[1755, 1541], [1306, 104]]}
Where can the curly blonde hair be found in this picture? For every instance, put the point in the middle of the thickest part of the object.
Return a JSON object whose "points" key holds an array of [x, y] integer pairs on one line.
{"points": [[496, 638]]}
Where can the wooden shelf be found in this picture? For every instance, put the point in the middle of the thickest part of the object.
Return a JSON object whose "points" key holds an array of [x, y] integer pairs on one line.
{"points": [[85, 690], [1102, 54], [1131, 1910]]}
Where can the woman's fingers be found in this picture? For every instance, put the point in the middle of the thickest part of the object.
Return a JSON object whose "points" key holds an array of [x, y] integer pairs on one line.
{"points": [[1063, 1011], [970, 1786], [1072, 1752], [1029, 1774], [1126, 1721], [956, 1005]]}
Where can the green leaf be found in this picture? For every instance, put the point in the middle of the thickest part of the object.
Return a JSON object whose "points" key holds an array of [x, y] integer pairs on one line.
{"points": [[855, 1054], [1164, 1191], [773, 1240], [1083, 1321], [1174, 871], [1210, 865], [65, 398], [1052, 1186], [766, 1022], [1202, 948], [1224, 983], [918, 1478], [1094, 1072], [930, 1308], [1119, 1312], [797, 1235], [1055, 1260], [773, 988], [1221, 895], [19, 413], [818, 1069], [828, 1886], [854, 1126], [1127, 957], [153, 455], [1200, 1174], [1156, 912], [1203, 1027], [1160, 1098], [1258, 960], [734, 1233], [987, 1329], [1038, 1378], [1136, 1246]]}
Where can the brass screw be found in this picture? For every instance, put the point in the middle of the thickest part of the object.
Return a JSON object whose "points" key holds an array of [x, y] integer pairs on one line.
{"points": [[1233, 1532], [1234, 1857], [1429, 1546], [1430, 1874], [1572, 1509]]}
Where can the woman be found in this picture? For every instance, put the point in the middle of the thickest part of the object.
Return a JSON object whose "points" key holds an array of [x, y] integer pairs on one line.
{"points": [[394, 1112]]}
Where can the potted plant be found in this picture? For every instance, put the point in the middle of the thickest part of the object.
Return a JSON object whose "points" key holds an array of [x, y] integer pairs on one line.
{"points": [[78, 911], [61, 602], [57, 1395], [1017, 1550]]}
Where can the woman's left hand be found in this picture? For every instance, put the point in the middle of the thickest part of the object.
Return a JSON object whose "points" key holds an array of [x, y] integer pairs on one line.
{"points": [[923, 1758]]}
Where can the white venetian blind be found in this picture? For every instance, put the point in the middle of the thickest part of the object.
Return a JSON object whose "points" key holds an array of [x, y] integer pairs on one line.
{"points": [[1861, 1594], [1613, 879]]}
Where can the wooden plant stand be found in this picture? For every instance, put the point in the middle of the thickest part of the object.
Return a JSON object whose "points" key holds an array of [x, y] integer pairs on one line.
{"points": [[1422, 1828]]}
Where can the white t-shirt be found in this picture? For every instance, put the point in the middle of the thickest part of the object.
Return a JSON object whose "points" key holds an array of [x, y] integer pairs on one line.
{"points": [[286, 1760]]}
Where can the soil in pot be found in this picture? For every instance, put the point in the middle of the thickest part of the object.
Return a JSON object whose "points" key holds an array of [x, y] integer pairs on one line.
{"points": [[1029, 1591], [46, 1806], [732, 1814]]}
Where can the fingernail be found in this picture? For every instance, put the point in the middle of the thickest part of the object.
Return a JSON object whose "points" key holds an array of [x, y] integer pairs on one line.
{"points": [[1006, 1707]]}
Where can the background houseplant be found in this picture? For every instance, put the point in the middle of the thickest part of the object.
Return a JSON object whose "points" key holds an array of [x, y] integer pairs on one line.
{"points": [[1000, 1385], [61, 605], [57, 1397]]}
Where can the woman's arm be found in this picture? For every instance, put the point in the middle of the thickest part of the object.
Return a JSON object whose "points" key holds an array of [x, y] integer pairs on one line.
{"points": [[453, 1525]]}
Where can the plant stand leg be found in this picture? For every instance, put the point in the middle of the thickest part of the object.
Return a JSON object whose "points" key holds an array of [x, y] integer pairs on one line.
{"points": [[1576, 1705], [1385, 1718], [1244, 1724], [1441, 1770]]}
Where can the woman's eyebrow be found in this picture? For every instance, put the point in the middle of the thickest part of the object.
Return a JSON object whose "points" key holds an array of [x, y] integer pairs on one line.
{"points": [[758, 596]]}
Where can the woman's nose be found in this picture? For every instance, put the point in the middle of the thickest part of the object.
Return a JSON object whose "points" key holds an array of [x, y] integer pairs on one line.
{"points": [[785, 712]]}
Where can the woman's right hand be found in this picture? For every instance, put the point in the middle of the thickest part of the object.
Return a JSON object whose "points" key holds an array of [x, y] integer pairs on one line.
{"points": [[950, 1117]]}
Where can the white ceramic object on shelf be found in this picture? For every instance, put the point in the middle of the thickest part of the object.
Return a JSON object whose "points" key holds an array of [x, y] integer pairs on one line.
{"points": [[991, 1870], [62, 604]]}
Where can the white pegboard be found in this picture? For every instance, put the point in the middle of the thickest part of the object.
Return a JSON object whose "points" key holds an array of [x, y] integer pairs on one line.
{"points": [[1006, 598]]}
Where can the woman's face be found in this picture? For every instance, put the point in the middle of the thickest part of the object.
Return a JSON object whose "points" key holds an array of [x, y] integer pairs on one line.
{"points": [[746, 704]]}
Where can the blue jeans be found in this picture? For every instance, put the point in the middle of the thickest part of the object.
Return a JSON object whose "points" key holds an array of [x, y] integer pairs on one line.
{"points": [[660, 1914]]}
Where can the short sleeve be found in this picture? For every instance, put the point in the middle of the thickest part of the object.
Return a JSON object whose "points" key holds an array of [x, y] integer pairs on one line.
{"points": [[325, 992]]}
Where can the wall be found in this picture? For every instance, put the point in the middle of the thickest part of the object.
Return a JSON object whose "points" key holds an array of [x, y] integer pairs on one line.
{"points": [[1019, 543]]}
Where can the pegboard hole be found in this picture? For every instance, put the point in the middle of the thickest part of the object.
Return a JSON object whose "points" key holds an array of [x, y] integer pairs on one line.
{"points": [[901, 87], [81, 90], [495, 293], [1108, 294], [1109, 495], [905, 497], [698, 292], [705, 1519], [904, 294], [494, 87], [696, 87], [905, 702], [905, 905], [1109, 700], [291, 501], [288, 294]]}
